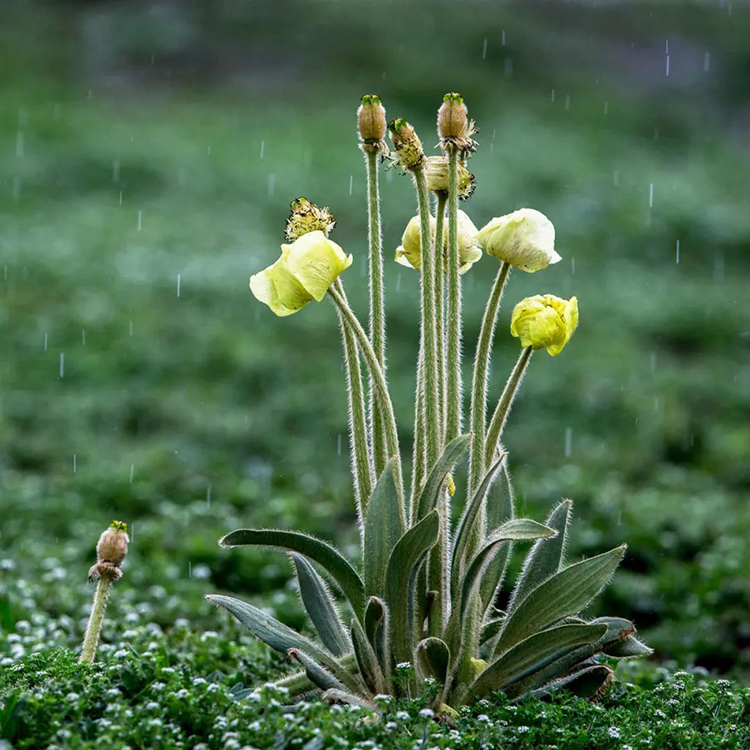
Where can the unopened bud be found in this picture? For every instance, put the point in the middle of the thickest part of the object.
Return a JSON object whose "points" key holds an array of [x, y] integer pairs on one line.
{"points": [[436, 174], [306, 217], [408, 148], [371, 119], [453, 117], [110, 551]]}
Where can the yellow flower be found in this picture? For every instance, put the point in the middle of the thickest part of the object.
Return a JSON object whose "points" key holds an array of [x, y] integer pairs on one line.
{"points": [[436, 175], [409, 252], [525, 239], [545, 322], [303, 273]]}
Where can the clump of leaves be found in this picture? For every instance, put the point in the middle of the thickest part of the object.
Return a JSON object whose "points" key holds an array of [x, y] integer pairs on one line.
{"points": [[422, 615]]}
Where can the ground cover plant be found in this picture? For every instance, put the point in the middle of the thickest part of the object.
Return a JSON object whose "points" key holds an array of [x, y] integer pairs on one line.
{"points": [[158, 402]]}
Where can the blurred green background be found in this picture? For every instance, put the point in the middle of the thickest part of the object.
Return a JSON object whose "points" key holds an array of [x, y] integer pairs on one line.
{"points": [[148, 154]]}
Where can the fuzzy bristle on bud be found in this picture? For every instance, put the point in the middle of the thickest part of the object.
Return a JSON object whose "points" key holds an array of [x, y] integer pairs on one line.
{"points": [[371, 119], [408, 148], [110, 551], [453, 118], [306, 217]]}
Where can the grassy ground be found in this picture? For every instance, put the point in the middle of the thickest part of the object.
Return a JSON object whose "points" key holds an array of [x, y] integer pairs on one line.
{"points": [[147, 149]]}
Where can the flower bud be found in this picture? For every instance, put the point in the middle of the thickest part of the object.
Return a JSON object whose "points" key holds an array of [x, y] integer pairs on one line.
{"points": [[453, 117], [306, 217], [304, 272], [110, 552], [408, 148], [436, 174], [545, 322], [409, 252], [371, 119], [525, 239]]}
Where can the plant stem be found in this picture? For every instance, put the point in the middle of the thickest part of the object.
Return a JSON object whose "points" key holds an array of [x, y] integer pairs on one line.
{"points": [[477, 463], [428, 321], [442, 197], [418, 454], [454, 389], [360, 449], [497, 423], [379, 383], [377, 303], [96, 620]]}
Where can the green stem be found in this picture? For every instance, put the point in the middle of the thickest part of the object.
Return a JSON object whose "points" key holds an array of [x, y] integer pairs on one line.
{"points": [[418, 455], [454, 388], [428, 322], [360, 450], [477, 464], [380, 386], [96, 620], [377, 303], [442, 197], [497, 423]]}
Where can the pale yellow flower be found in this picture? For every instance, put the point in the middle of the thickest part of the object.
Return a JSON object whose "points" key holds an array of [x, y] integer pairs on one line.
{"points": [[545, 322], [304, 272], [525, 239], [409, 252]]}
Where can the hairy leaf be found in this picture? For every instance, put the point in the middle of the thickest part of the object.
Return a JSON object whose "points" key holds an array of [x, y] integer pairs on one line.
{"points": [[320, 606], [431, 491], [591, 682], [315, 549], [367, 660], [383, 527], [432, 658], [319, 676], [562, 595]]}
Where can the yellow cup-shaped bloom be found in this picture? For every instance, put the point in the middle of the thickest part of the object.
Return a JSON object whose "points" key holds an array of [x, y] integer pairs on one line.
{"points": [[303, 273], [409, 252], [545, 322], [525, 239]]}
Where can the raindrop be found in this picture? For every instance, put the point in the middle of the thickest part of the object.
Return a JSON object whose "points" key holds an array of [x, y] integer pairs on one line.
{"points": [[75, 467], [140, 220], [484, 50], [677, 252], [572, 266], [653, 361], [492, 148], [46, 336], [62, 365], [120, 197], [568, 441], [606, 107], [503, 37], [398, 282], [651, 195], [5, 273], [351, 183], [208, 151], [666, 51], [179, 281], [190, 569], [707, 62], [262, 149], [130, 328], [667, 66], [132, 473], [338, 444], [83, 336], [552, 97], [208, 495]]}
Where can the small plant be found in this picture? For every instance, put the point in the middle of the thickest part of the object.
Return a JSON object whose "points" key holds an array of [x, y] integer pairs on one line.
{"points": [[422, 615], [110, 552]]}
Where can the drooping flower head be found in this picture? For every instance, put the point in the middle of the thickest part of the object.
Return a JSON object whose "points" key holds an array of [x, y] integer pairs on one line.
{"points": [[371, 124], [436, 174], [409, 252], [306, 217], [454, 126], [545, 322], [408, 151], [304, 272], [524, 238]]}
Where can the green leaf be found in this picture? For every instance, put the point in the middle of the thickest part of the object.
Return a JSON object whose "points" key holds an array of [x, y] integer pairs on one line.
{"points": [[591, 683], [315, 549], [431, 491], [564, 594], [533, 654], [403, 565], [490, 629], [341, 696], [383, 527], [628, 648], [499, 506], [545, 558], [367, 660], [320, 606], [319, 676], [466, 525], [432, 658]]}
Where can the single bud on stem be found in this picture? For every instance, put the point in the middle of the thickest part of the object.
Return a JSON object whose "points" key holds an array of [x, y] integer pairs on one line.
{"points": [[408, 148], [371, 125], [110, 552], [454, 126], [306, 217]]}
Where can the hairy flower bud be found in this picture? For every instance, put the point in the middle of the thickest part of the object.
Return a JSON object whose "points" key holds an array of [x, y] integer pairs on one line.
{"points": [[436, 174], [110, 551], [454, 126], [408, 148], [306, 217], [545, 322], [524, 238], [371, 119]]}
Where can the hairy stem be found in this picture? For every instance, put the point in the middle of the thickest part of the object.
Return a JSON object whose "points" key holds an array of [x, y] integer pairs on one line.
{"points": [[377, 303], [360, 449], [454, 388], [497, 423], [477, 465], [379, 383], [442, 197], [96, 620], [418, 454], [428, 322]]}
